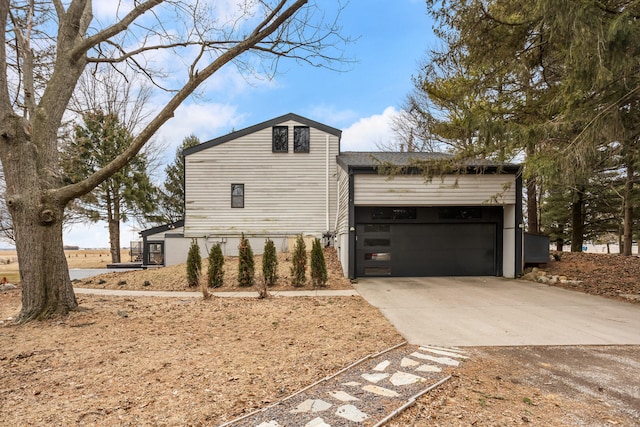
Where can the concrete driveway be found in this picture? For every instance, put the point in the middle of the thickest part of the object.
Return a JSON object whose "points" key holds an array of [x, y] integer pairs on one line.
{"points": [[490, 311]]}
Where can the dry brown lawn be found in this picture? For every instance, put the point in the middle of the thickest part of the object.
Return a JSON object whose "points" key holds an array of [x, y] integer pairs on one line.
{"points": [[175, 362], [83, 258]]}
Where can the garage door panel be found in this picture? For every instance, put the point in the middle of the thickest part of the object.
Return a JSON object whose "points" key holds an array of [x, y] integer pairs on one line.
{"points": [[467, 249], [443, 249]]}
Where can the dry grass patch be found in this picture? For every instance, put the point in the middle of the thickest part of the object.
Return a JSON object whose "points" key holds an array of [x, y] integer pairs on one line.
{"points": [[156, 361]]}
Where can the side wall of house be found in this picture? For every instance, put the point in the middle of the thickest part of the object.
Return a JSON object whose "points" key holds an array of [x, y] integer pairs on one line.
{"points": [[285, 193], [177, 246]]}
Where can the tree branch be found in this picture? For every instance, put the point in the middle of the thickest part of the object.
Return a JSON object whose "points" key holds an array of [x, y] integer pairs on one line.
{"points": [[5, 102], [59, 8], [82, 48], [265, 28], [24, 51]]}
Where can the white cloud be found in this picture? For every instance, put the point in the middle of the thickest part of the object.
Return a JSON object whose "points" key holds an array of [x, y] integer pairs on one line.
{"points": [[369, 133]]}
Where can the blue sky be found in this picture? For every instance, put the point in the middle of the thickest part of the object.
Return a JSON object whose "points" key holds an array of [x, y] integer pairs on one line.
{"points": [[393, 37]]}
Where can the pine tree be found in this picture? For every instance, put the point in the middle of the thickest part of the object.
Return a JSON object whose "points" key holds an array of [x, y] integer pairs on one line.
{"points": [[216, 264], [171, 202], [270, 263], [194, 264], [246, 269], [318, 265], [299, 263], [127, 194]]}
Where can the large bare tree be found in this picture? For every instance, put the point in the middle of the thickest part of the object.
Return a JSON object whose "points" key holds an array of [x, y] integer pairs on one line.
{"points": [[46, 47]]}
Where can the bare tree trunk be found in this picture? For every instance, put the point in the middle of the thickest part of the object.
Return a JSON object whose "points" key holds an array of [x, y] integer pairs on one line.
{"points": [[37, 221], [628, 210], [620, 241], [559, 244], [113, 220], [533, 225], [577, 220], [42, 264], [114, 239]]}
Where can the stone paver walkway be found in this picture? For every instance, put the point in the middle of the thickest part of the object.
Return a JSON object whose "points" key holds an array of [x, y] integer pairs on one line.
{"points": [[370, 392]]}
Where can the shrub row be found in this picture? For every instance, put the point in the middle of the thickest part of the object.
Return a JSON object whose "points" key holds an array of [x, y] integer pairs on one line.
{"points": [[246, 267]]}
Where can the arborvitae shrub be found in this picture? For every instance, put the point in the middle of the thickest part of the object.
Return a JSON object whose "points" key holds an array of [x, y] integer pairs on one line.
{"points": [[216, 264], [246, 270], [194, 264], [318, 265], [270, 263], [299, 261]]}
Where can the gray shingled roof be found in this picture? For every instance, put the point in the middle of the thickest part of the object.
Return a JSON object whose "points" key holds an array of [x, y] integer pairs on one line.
{"points": [[372, 158]]}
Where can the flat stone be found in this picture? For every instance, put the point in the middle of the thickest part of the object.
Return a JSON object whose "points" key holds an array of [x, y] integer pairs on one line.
{"points": [[382, 366], [342, 396], [317, 422], [408, 363], [452, 349], [441, 360], [271, 423], [380, 391], [312, 405], [352, 384], [374, 378], [428, 368], [442, 352], [351, 413], [404, 378]]}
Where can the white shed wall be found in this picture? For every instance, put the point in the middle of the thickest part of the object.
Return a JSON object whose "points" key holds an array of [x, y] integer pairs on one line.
{"points": [[175, 247]]}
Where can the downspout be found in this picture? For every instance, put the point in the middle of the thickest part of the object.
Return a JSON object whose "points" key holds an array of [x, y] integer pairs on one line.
{"points": [[335, 223], [352, 226], [326, 195]]}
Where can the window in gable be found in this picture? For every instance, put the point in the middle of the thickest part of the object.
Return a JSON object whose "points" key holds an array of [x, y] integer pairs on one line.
{"points": [[280, 142], [301, 139], [237, 195]]}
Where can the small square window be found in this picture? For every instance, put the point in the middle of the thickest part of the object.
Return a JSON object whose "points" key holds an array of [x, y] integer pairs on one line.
{"points": [[301, 139], [237, 195], [280, 142]]}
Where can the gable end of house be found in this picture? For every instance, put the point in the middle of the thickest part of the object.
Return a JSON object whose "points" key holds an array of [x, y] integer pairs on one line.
{"points": [[260, 126]]}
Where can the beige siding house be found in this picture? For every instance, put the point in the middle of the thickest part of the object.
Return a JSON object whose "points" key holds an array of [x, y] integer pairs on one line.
{"points": [[274, 180], [287, 176]]}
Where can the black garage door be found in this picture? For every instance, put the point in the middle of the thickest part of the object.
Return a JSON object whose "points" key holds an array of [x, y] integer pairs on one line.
{"points": [[449, 245]]}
